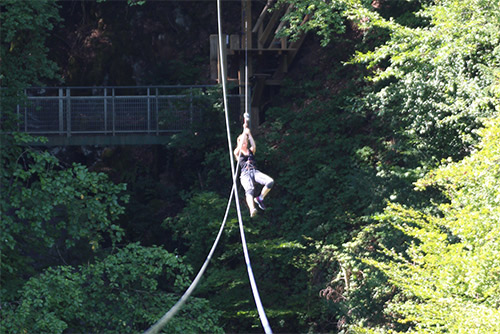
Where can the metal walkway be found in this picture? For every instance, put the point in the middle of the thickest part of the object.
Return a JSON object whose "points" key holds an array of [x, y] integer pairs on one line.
{"points": [[115, 115]]}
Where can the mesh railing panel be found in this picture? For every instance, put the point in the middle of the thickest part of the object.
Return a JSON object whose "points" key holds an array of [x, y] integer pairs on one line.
{"points": [[87, 115], [41, 116], [87, 110], [131, 114]]}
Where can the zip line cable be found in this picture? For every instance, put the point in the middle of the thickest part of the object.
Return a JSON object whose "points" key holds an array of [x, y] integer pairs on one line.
{"points": [[170, 314], [234, 191], [253, 284], [247, 114], [173, 311]]}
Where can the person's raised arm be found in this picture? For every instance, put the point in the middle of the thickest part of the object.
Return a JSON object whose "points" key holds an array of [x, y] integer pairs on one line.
{"points": [[238, 148], [239, 143], [252, 147]]}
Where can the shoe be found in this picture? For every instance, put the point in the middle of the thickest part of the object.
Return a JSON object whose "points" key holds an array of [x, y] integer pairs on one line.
{"points": [[259, 202], [253, 213]]}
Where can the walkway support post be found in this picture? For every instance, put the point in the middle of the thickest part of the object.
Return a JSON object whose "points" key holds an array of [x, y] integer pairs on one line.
{"points": [[113, 110], [61, 111], [157, 113], [149, 110], [105, 110], [68, 111]]}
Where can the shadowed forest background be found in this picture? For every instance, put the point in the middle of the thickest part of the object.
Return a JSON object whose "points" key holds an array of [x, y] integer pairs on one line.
{"points": [[383, 141]]}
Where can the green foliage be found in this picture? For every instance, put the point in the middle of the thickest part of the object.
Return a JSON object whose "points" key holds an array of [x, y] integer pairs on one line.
{"points": [[48, 209], [433, 83], [25, 27], [449, 276], [125, 292], [356, 290], [276, 263], [44, 206], [198, 224], [323, 160], [434, 77], [325, 18], [337, 149], [330, 19]]}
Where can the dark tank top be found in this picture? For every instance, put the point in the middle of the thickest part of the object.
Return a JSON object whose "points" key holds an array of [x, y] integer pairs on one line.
{"points": [[247, 162]]}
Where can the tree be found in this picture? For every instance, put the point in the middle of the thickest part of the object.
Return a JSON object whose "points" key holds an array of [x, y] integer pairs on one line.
{"points": [[53, 214], [25, 27], [433, 78], [43, 205], [46, 207], [327, 19], [448, 277], [124, 292]]}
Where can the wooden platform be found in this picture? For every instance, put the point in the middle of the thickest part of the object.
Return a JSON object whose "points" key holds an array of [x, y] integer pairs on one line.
{"points": [[257, 48]]}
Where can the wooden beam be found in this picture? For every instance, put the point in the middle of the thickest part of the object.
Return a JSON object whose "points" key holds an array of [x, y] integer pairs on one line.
{"points": [[214, 57], [288, 58], [254, 119], [266, 36], [282, 68], [260, 21], [259, 89], [241, 45], [246, 19], [295, 47], [234, 42], [283, 40], [215, 61]]}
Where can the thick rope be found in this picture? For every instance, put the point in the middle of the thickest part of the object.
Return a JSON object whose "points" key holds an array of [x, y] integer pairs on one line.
{"points": [[170, 314], [253, 284], [247, 114], [173, 311]]}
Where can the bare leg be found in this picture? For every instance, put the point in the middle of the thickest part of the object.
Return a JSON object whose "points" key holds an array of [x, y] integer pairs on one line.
{"points": [[249, 199], [251, 206], [266, 181], [264, 192]]}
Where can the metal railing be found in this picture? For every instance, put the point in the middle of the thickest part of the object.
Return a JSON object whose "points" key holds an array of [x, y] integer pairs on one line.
{"points": [[150, 110]]}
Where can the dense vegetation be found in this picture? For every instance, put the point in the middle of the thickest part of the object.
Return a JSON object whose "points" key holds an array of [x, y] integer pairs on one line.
{"points": [[385, 151]]}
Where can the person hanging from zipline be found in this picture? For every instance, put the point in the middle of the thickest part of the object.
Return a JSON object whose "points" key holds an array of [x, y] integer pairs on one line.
{"points": [[249, 172]]}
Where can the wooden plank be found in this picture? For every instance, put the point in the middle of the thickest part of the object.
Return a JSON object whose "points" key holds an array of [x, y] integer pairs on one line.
{"points": [[254, 119], [283, 40], [234, 42], [260, 21], [288, 58], [295, 46], [214, 57], [259, 44], [266, 36], [259, 89], [220, 62], [246, 15]]}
